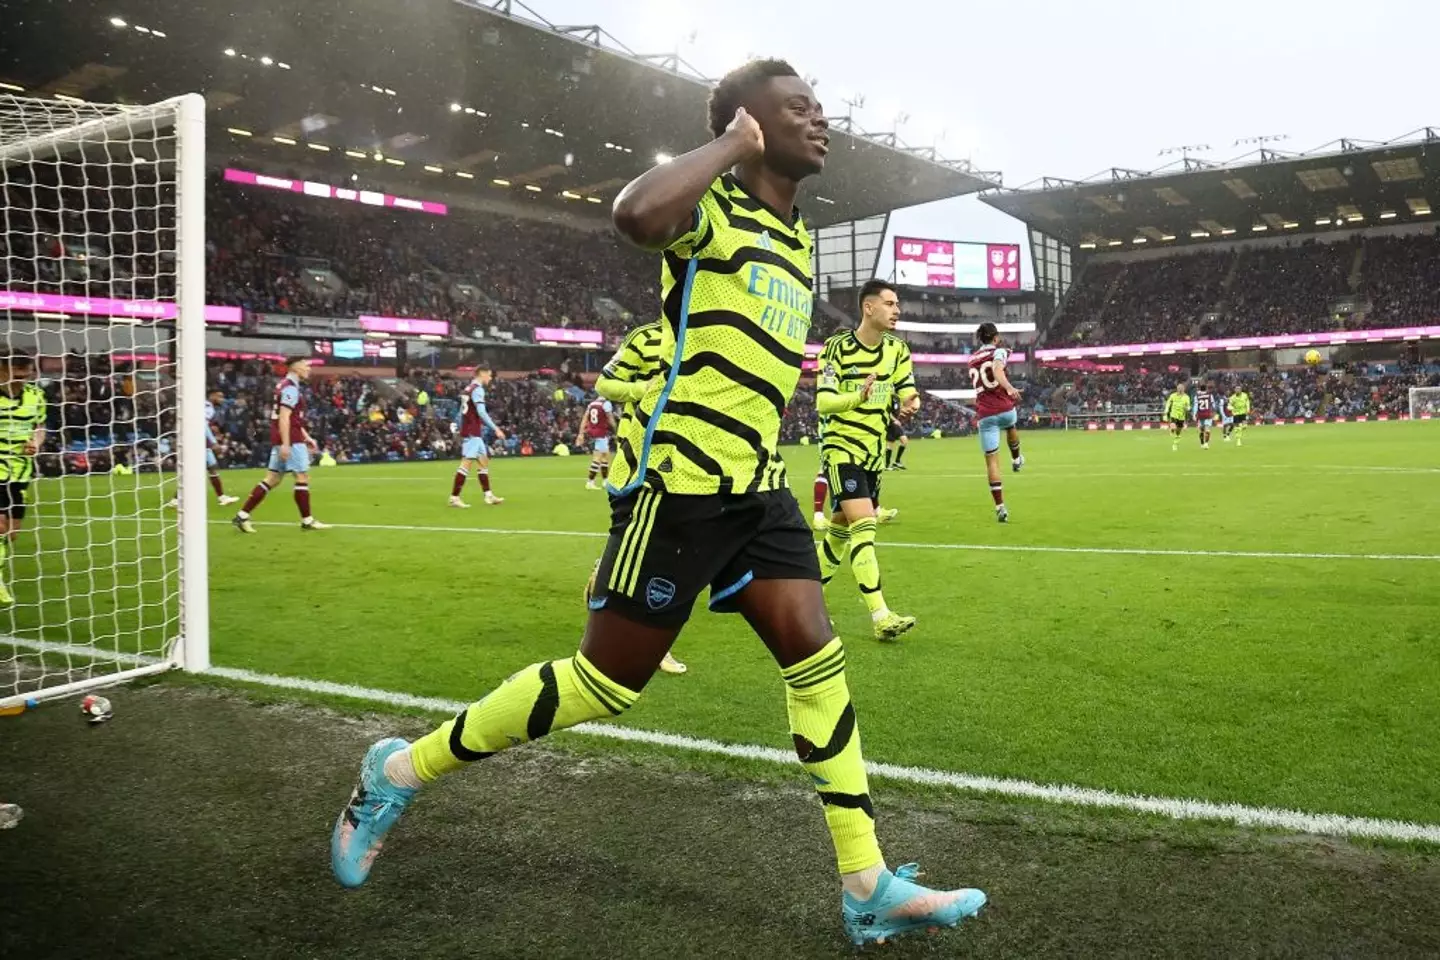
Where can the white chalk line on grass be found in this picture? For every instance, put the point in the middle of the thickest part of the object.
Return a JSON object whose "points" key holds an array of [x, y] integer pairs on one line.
{"points": [[1047, 471], [888, 544], [1063, 475], [1295, 821]]}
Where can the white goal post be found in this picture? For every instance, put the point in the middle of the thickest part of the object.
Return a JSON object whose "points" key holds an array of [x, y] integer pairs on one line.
{"points": [[1425, 403], [102, 283]]}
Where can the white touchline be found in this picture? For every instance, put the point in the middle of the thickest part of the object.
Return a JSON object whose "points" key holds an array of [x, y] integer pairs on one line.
{"points": [[1338, 472], [1331, 824], [995, 547]]}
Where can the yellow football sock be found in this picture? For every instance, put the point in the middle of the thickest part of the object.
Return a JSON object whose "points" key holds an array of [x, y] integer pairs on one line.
{"points": [[827, 740], [864, 564], [833, 549], [539, 699]]}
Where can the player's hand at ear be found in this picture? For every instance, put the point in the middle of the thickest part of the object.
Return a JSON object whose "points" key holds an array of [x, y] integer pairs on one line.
{"points": [[745, 130]]}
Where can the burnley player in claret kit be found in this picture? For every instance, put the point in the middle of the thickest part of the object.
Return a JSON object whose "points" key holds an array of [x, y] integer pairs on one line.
{"points": [[1205, 412], [212, 463], [595, 427], [474, 418], [290, 448], [995, 403]]}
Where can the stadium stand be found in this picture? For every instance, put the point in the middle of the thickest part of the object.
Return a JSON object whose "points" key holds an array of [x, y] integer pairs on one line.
{"points": [[527, 273], [1402, 279], [1250, 291]]}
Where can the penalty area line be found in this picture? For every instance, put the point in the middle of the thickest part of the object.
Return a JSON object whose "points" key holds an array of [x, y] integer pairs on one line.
{"points": [[902, 545]]}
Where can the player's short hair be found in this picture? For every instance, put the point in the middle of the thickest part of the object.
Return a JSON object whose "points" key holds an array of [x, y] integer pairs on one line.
{"points": [[739, 85], [295, 358], [873, 288], [987, 332], [17, 357]]}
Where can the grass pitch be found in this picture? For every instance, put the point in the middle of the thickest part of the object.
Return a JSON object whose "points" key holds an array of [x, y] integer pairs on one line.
{"points": [[1299, 673], [1252, 625], [195, 825]]}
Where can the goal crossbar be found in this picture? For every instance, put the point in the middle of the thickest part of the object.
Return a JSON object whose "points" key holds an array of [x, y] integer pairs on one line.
{"points": [[131, 121]]}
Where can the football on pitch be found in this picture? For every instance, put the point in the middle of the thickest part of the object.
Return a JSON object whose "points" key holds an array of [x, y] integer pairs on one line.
{"points": [[95, 709]]}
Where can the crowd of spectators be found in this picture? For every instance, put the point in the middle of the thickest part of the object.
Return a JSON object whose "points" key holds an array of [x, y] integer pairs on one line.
{"points": [[101, 416], [1378, 281], [365, 419], [1298, 392], [1285, 289], [472, 270], [1150, 300], [1401, 280]]}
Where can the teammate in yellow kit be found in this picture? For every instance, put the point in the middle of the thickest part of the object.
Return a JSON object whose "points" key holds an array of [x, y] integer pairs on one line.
{"points": [[1177, 411], [861, 372]]}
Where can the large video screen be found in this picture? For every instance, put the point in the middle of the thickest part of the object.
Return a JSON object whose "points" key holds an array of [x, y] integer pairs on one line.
{"points": [[945, 263], [356, 349]]}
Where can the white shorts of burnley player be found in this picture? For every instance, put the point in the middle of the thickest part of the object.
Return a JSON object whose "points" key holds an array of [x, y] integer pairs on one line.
{"points": [[995, 400], [290, 448], [474, 419]]}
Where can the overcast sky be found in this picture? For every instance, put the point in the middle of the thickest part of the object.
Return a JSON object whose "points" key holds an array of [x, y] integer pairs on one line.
{"points": [[1067, 87]]}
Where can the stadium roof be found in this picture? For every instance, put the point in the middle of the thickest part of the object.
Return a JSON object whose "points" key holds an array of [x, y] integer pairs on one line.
{"points": [[1344, 183], [444, 92]]}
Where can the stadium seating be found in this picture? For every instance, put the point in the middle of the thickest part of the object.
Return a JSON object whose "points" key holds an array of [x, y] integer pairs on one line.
{"points": [[1402, 280], [527, 273], [262, 245], [1388, 281], [99, 416]]}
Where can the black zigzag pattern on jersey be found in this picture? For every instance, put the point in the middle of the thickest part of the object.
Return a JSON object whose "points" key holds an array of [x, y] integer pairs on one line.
{"points": [[838, 441], [747, 255], [740, 324], [627, 453], [670, 306], [720, 421], [690, 451], [731, 202], [687, 448], [733, 371], [617, 365]]}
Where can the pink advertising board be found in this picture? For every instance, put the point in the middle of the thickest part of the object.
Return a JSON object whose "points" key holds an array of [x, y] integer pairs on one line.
{"points": [[568, 335], [415, 326], [310, 188], [1233, 344], [106, 307]]}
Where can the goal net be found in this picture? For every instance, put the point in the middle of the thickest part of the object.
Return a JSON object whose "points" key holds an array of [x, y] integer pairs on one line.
{"points": [[103, 363], [1425, 403]]}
